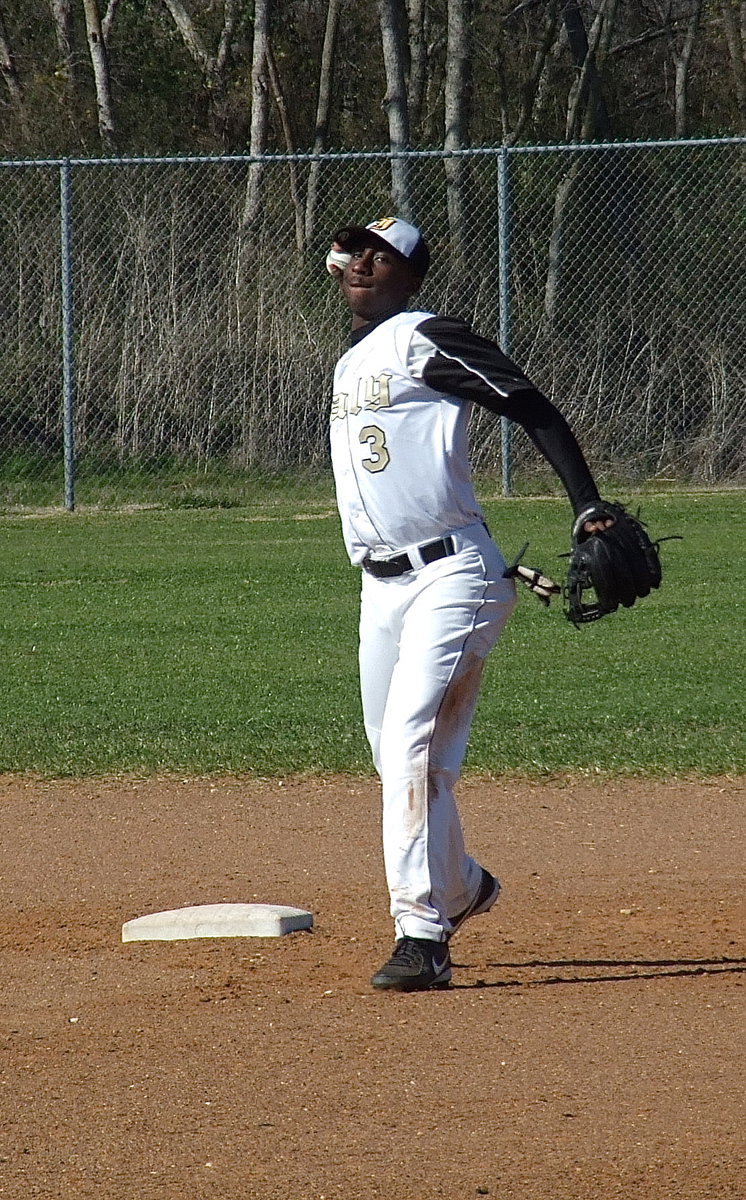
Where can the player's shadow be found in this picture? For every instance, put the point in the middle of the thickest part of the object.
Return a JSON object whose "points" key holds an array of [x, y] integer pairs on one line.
{"points": [[601, 970]]}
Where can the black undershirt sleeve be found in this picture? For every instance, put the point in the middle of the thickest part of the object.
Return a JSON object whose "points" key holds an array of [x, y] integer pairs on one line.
{"points": [[473, 368]]}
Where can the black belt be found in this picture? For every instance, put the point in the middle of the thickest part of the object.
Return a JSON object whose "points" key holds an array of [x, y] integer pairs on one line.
{"points": [[389, 567]]}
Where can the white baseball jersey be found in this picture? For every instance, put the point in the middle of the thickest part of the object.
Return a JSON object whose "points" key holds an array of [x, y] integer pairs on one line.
{"points": [[392, 438], [399, 421]]}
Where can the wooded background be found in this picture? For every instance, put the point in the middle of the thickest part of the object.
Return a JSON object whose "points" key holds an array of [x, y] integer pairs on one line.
{"points": [[169, 316], [578, 166], [173, 76]]}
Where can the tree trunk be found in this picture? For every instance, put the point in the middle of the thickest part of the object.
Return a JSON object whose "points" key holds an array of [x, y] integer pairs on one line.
{"points": [[598, 45], [290, 146], [62, 14], [230, 21], [676, 15], [735, 36], [417, 77], [586, 104], [456, 112], [323, 111], [586, 114], [392, 18], [101, 75], [108, 20], [259, 110], [9, 72], [530, 89], [561, 199], [190, 35], [682, 59], [212, 66]]}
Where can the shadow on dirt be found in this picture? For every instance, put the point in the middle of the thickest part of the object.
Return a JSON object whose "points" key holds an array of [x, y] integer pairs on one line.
{"points": [[603, 971]]}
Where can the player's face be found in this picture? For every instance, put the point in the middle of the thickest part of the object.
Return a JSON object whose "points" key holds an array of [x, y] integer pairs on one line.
{"points": [[376, 281]]}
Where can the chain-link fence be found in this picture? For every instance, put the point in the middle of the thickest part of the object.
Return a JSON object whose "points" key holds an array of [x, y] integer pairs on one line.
{"points": [[168, 328]]}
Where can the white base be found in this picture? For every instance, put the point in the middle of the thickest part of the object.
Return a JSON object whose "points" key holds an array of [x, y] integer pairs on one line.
{"points": [[217, 920]]}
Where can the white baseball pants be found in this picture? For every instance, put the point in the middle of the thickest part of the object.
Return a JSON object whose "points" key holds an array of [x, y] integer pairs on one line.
{"points": [[424, 637]]}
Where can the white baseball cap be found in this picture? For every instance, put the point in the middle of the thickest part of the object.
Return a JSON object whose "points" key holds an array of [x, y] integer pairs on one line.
{"points": [[394, 233]]}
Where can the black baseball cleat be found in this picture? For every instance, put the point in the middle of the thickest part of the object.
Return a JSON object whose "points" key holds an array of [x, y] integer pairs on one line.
{"points": [[486, 895], [416, 965]]}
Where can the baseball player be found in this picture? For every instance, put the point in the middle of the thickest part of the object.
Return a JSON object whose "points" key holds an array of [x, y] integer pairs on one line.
{"points": [[435, 597]]}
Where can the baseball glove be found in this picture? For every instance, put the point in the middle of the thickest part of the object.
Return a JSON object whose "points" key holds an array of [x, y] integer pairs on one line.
{"points": [[616, 566]]}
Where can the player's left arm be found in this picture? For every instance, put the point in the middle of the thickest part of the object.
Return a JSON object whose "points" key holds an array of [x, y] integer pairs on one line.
{"points": [[461, 363]]}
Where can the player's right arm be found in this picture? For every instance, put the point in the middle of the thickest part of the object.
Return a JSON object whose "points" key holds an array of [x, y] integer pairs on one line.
{"points": [[451, 358]]}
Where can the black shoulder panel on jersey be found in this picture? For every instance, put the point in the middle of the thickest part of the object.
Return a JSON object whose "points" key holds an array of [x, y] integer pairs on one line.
{"points": [[469, 366], [474, 368]]}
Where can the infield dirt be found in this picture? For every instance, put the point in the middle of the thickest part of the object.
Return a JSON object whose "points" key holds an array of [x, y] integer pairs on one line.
{"points": [[593, 1044]]}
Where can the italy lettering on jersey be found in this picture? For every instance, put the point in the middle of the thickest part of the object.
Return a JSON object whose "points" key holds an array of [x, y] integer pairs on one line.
{"points": [[399, 448]]}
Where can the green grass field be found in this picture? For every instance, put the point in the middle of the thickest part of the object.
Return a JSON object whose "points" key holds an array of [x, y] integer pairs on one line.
{"points": [[210, 640]]}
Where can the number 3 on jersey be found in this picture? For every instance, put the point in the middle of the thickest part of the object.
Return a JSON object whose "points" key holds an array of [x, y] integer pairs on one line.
{"points": [[375, 439]]}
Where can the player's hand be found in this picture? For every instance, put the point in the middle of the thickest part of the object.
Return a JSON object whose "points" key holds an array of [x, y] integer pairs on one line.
{"points": [[598, 516], [336, 260], [598, 525]]}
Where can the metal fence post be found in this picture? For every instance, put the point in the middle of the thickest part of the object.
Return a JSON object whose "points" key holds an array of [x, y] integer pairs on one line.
{"points": [[68, 333], [503, 271]]}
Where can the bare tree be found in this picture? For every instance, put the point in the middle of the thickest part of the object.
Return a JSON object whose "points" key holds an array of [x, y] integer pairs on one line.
{"points": [[213, 65], [108, 19], [9, 72], [392, 16], [259, 109], [680, 20], [290, 146], [456, 115], [101, 74], [734, 26], [418, 56], [323, 113], [517, 58], [682, 51], [529, 90], [587, 114], [190, 35], [62, 15]]}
